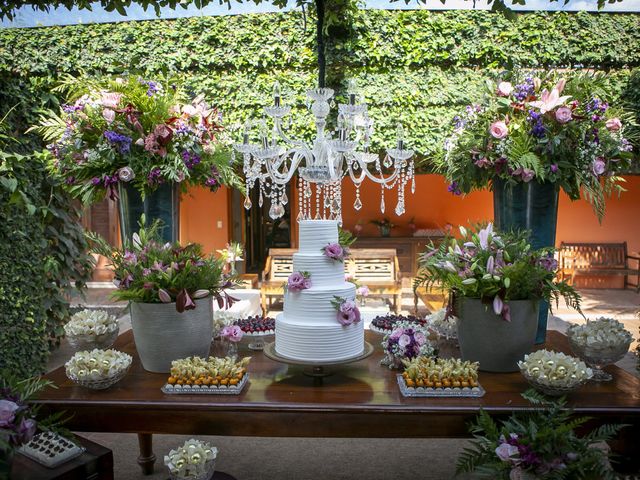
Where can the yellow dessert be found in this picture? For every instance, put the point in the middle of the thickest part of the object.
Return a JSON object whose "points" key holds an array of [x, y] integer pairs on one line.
{"points": [[207, 372], [440, 373]]}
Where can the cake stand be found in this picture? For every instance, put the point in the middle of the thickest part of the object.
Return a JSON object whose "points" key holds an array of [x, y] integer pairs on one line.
{"points": [[315, 369]]}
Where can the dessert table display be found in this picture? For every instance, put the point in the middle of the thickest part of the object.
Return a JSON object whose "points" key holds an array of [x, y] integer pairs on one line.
{"points": [[361, 399]]}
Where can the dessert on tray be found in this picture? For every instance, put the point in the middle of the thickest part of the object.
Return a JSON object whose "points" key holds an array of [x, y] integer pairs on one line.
{"points": [[386, 323], [438, 377], [257, 325], [212, 375]]}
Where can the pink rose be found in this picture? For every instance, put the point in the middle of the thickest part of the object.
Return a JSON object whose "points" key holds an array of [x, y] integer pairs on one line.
{"points": [[109, 115], [7, 412], [363, 291], [564, 114], [396, 334], [420, 338], [499, 130], [298, 281], [334, 251], [613, 124], [505, 452], [348, 313], [232, 333], [505, 89], [598, 166], [404, 340]]}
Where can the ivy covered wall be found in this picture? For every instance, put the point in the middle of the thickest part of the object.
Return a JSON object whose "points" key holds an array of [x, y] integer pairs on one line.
{"points": [[418, 67]]}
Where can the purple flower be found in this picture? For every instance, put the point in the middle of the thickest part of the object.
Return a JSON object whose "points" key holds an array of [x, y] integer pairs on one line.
{"points": [[211, 182], [126, 282], [26, 430], [232, 333], [7, 412], [454, 188], [396, 334], [146, 272], [164, 296], [553, 168], [126, 174], [121, 142], [497, 305], [524, 90], [348, 313], [152, 87], [598, 167], [70, 180], [155, 176], [190, 159], [130, 258], [298, 281], [184, 301], [404, 340], [564, 115], [505, 452], [95, 181], [549, 263], [537, 127], [483, 162], [335, 251]]}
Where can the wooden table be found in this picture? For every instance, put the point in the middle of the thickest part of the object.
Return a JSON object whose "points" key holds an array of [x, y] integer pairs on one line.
{"points": [[359, 400]]}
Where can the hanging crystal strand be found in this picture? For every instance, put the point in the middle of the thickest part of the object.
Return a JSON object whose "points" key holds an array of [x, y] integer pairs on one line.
{"points": [[261, 199], [413, 176], [317, 217], [358, 203], [283, 198], [299, 216], [382, 205]]}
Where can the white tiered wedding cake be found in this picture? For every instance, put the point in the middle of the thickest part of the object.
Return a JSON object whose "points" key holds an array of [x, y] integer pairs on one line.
{"points": [[308, 329]]}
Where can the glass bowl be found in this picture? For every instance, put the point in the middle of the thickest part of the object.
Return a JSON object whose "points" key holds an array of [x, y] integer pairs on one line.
{"points": [[91, 342], [101, 383], [553, 390], [598, 357]]}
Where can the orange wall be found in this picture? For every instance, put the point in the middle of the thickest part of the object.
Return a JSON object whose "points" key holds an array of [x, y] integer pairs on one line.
{"points": [[204, 218], [432, 206]]}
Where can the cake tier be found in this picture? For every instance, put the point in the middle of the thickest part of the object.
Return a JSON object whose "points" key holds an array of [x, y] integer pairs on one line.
{"points": [[303, 340], [316, 234], [314, 305], [324, 271]]}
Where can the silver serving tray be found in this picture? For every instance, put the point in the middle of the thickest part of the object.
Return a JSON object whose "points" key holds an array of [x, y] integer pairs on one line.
{"points": [[430, 392], [205, 389]]}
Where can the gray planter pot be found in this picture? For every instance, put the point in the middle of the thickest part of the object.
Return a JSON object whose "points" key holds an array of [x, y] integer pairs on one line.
{"points": [[497, 344], [163, 335]]}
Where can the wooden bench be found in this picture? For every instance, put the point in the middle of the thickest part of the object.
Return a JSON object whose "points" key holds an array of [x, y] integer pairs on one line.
{"points": [[376, 268], [598, 259]]}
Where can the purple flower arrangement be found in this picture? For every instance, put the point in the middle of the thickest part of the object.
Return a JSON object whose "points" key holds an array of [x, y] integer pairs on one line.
{"points": [[335, 251], [406, 341], [545, 129], [538, 444], [150, 271], [298, 281], [347, 311], [495, 268], [132, 130]]}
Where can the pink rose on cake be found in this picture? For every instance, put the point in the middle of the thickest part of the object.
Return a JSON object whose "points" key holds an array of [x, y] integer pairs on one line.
{"points": [[298, 281], [335, 251], [348, 312]]}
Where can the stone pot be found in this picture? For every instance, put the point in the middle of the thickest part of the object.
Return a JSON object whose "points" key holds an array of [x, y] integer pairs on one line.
{"points": [[163, 335], [489, 339]]}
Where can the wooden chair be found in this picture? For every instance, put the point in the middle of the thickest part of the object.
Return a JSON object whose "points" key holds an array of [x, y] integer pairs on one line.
{"points": [[378, 269], [278, 267], [598, 259]]}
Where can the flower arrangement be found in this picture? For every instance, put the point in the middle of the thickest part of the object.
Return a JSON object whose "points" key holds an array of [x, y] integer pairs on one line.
{"points": [[18, 415], [91, 322], [232, 253], [554, 373], [347, 311], [298, 281], [541, 443], [600, 334], [548, 129], [192, 460], [232, 333], [138, 131], [406, 341], [336, 252], [147, 270], [495, 269]]}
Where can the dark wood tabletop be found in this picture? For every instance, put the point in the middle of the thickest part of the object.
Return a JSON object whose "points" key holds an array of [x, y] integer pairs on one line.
{"points": [[359, 400]]}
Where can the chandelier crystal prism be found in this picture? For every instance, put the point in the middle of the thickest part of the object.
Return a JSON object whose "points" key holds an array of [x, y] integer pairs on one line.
{"points": [[322, 165]]}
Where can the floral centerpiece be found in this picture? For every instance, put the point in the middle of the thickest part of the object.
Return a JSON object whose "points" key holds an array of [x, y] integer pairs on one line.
{"points": [[170, 289], [195, 460], [232, 254], [407, 340], [549, 129], [494, 277], [19, 416], [134, 131], [537, 444]]}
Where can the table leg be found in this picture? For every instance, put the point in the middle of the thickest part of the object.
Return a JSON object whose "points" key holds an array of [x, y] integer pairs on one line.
{"points": [[147, 458]]}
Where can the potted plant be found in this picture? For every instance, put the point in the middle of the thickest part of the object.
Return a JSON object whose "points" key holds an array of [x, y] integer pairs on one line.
{"points": [[384, 225], [539, 444], [496, 283], [531, 136], [138, 140], [18, 416], [170, 289]]}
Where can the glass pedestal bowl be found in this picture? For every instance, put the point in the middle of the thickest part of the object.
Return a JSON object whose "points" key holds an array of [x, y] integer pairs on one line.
{"points": [[90, 342], [598, 358]]}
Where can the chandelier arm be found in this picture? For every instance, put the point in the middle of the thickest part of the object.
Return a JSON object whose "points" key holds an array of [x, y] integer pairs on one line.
{"points": [[286, 138], [380, 180], [283, 178]]}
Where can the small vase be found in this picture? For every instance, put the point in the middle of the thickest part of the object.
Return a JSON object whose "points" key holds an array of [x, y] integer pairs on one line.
{"points": [[229, 348], [385, 231]]}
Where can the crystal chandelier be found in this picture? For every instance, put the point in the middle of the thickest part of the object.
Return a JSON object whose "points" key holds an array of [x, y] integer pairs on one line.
{"points": [[321, 166]]}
